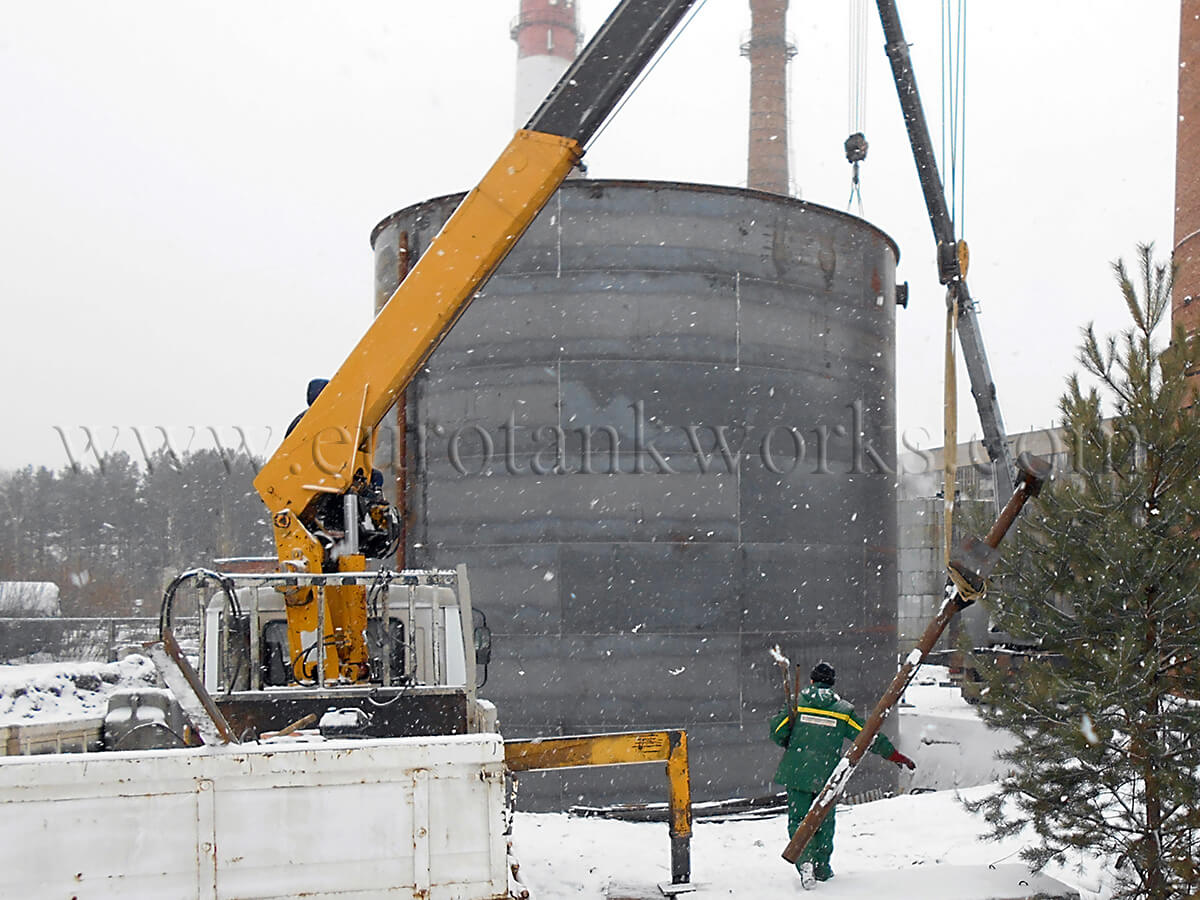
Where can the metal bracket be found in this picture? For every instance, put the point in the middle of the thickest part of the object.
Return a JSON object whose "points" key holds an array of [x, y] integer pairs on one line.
{"points": [[198, 705]]}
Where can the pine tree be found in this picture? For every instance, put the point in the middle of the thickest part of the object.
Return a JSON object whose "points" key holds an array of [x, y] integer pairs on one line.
{"points": [[1106, 571], [113, 533]]}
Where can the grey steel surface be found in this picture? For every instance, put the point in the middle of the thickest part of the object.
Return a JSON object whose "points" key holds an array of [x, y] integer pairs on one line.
{"points": [[983, 388], [642, 588]]}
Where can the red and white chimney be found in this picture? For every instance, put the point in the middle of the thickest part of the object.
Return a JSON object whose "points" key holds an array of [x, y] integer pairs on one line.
{"points": [[547, 36]]}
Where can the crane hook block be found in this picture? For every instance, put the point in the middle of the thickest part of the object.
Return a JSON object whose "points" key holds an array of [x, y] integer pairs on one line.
{"points": [[856, 147]]}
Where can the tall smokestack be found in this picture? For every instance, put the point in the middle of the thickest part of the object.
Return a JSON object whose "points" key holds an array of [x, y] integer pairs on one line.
{"points": [[768, 51], [547, 36], [1185, 309]]}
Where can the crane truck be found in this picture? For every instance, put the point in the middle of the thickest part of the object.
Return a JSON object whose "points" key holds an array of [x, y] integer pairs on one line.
{"points": [[393, 653], [328, 627], [413, 768]]}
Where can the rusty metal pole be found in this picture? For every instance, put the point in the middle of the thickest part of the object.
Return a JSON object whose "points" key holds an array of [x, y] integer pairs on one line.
{"points": [[400, 438], [965, 581]]}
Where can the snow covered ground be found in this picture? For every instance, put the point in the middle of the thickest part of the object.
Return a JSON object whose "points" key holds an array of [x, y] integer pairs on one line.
{"points": [[917, 842], [51, 692], [916, 845], [944, 734], [924, 845]]}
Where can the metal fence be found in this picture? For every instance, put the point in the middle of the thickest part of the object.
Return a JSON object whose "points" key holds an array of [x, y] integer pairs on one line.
{"points": [[101, 639]]}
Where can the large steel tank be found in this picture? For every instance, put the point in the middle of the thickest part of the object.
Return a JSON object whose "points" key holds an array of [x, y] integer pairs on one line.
{"points": [[662, 441]]}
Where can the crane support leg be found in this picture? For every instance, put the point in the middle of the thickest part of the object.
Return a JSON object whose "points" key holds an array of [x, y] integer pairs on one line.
{"points": [[622, 749]]}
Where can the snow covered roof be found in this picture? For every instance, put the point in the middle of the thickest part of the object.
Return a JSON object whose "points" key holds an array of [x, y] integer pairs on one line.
{"points": [[29, 598]]}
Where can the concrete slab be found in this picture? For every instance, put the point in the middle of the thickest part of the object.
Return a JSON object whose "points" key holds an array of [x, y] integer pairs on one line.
{"points": [[630, 891], [633, 891], [1004, 882]]}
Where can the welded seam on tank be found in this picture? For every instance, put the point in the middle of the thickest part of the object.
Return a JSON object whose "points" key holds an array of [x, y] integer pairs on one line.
{"points": [[737, 321], [823, 374], [683, 186], [617, 269], [558, 231]]}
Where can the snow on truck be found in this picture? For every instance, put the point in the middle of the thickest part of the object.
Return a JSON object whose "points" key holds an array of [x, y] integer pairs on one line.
{"points": [[222, 788]]}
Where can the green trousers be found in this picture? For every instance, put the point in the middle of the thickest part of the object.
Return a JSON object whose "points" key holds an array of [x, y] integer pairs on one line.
{"points": [[820, 848]]}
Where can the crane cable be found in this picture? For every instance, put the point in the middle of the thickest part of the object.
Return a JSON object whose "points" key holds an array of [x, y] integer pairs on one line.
{"points": [[856, 103], [645, 73], [954, 109], [954, 46]]}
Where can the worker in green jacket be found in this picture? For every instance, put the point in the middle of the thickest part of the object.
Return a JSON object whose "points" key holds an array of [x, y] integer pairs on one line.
{"points": [[812, 741]]}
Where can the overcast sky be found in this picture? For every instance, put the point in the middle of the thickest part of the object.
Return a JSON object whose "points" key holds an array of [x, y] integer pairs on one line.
{"points": [[187, 189]]}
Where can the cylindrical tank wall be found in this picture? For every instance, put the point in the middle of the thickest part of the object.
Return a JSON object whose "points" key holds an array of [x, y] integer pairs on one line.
{"points": [[662, 440]]}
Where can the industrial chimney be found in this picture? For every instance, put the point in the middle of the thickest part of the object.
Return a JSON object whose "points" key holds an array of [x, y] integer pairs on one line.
{"points": [[1185, 309], [769, 52], [547, 36]]}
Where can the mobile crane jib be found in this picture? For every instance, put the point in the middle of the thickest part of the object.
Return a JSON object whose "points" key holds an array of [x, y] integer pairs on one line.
{"points": [[318, 485]]}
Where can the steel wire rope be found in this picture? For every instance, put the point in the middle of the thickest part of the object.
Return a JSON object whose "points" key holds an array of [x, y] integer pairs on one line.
{"points": [[954, 107], [856, 95], [645, 73]]}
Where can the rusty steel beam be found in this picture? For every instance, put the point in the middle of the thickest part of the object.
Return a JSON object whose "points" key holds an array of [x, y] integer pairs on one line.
{"points": [[965, 582], [185, 683]]}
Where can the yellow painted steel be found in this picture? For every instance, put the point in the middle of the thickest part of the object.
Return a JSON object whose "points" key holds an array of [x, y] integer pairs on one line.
{"points": [[334, 439], [587, 750], [615, 750], [323, 451], [299, 551], [679, 777], [348, 612]]}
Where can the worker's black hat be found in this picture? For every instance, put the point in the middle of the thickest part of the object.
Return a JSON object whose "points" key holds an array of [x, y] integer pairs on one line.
{"points": [[823, 673], [314, 389]]}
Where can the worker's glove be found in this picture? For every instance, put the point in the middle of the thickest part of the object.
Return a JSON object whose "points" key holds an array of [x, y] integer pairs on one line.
{"points": [[901, 760]]}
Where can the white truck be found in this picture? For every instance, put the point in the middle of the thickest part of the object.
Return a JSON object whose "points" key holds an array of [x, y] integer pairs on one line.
{"points": [[407, 798], [281, 815]]}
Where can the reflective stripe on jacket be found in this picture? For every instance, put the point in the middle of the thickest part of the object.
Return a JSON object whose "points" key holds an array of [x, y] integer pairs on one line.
{"points": [[812, 740]]}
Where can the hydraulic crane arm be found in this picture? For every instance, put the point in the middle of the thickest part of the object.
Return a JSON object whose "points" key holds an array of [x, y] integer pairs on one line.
{"points": [[325, 450], [321, 473], [995, 438]]}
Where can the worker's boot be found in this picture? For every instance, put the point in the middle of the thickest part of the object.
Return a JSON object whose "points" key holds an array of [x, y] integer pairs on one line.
{"points": [[808, 878], [822, 871]]}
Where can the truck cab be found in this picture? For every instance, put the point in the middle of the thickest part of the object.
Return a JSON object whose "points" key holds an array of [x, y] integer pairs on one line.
{"points": [[428, 652]]}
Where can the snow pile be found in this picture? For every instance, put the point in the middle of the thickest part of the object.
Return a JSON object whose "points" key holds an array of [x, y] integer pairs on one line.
{"points": [[927, 840], [29, 598], [930, 692], [51, 692], [943, 733]]}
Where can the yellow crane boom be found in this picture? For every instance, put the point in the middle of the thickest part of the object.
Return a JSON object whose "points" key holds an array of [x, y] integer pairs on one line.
{"points": [[318, 486]]}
